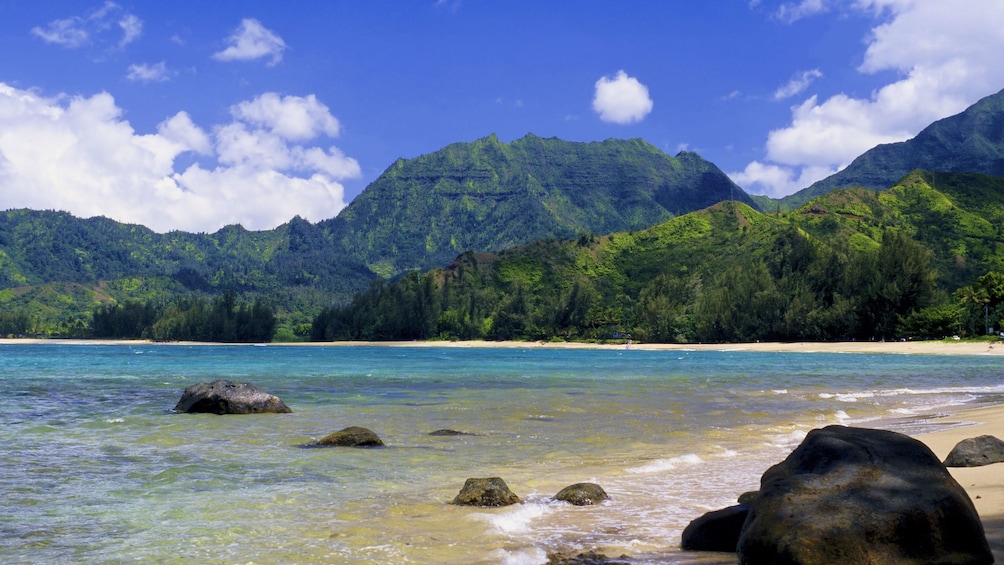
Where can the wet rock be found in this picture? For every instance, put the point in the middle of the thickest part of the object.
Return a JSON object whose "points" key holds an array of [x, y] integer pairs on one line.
{"points": [[976, 452], [748, 497], [227, 397], [447, 432], [352, 436], [587, 558], [716, 531], [582, 494], [488, 492], [855, 495]]}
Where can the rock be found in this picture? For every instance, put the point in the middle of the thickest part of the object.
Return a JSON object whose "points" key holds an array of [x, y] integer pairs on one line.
{"points": [[587, 558], [975, 452], [490, 492], [450, 433], [716, 531], [748, 497], [352, 436], [854, 495], [582, 494], [227, 397]]}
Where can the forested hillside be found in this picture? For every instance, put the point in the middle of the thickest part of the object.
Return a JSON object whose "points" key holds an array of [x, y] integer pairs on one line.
{"points": [[488, 195], [922, 259]]}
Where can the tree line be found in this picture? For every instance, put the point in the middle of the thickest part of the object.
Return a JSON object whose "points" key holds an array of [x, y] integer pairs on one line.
{"points": [[187, 319], [796, 289]]}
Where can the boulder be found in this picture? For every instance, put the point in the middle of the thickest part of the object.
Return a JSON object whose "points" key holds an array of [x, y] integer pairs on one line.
{"points": [[352, 436], [975, 452], [716, 531], [582, 494], [490, 492], [227, 397], [855, 495]]}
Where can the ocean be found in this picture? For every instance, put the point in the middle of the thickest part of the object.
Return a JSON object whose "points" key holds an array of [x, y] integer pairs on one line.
{"points": [[96, 468]]}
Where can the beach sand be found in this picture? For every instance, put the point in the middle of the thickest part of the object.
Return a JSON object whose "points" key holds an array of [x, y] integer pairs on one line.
{"points": [[985, 485]]}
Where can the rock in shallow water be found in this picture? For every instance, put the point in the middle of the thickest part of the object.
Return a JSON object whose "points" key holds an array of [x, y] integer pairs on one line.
{"points": [[227, 397], [582, 494], [352, 436], [855, 495], [489, 493]]}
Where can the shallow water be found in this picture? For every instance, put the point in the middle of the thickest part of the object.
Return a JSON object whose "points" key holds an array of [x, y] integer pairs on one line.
{"points": [[97, 469]]}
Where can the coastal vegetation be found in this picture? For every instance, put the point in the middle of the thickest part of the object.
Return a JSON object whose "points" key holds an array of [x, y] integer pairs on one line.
{"points": [[853, 264]]}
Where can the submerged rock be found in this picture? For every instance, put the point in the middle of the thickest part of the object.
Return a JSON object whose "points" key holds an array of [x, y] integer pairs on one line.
{"points": [[586, 558], [489, 492], [976, 452], [582, 494], [447, 432], [227, 397], [352, 436], [855, 495]]}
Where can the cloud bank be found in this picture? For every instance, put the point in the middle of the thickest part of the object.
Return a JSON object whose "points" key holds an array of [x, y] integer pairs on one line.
{"points": [[79, 155], [946, 55], [621, 99]]}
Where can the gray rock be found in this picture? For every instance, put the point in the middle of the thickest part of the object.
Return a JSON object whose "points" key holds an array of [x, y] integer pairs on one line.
{"points": [[227, 397], [748, 497], [976, 452], [582, 494], [489, 492], [854, 495], [352, 436], [447, 432], [716, 531], [586, 558]]}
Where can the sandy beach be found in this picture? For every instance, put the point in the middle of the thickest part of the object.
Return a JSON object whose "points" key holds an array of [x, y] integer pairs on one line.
{"points": [[985, 485]]}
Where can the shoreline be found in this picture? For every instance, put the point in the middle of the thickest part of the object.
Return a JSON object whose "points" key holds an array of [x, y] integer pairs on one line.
{"points": [[939, 347]]}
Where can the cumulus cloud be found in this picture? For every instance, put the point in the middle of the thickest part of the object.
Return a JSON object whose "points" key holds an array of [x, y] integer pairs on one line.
{"points": [[252, 41], [77, 31], [952, 64], [793, 11], [797, 85], [142, 72], [78, 154], [621, 99]]}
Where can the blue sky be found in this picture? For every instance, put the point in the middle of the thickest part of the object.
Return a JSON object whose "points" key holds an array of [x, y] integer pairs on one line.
{"points": [[185, 115]]}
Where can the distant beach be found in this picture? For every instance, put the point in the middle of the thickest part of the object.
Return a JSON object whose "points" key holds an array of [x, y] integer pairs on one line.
{"points": [[938, 347]]}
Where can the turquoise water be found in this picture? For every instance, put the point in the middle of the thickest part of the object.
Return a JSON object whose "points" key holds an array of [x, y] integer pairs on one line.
{"points": [[96, 468]]}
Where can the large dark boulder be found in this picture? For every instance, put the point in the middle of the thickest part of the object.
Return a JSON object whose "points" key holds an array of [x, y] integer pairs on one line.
{"points": [[854, 495], [352, 436], [582, 494], [716, 531], [976, 452], [227, 397], [490, 492]]}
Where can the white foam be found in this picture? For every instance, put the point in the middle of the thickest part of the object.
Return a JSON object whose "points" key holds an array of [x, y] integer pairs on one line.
{"points": [[661, 465], [528, 556], [114, 420], [790, 439], [517, 518]]}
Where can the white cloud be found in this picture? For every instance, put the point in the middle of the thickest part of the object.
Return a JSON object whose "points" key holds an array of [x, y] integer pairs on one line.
{"points": [[252, 41], [946, 56], [291, 117], [143, 72], [791, 11], [797, 85], [777, 180], [132, 28], [77, 31], [78, 154], [622, 99]]}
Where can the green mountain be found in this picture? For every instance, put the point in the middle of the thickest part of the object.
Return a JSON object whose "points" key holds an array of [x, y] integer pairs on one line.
{"points": [[58, 267], [970, 142], [488, 195], [853, 263]]}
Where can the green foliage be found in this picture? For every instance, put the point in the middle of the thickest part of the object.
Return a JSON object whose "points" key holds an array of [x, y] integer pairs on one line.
{"points": [[853, 264]]}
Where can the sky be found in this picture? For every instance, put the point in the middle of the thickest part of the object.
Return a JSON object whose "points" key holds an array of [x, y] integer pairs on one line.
{"points": [[195, 115]]}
